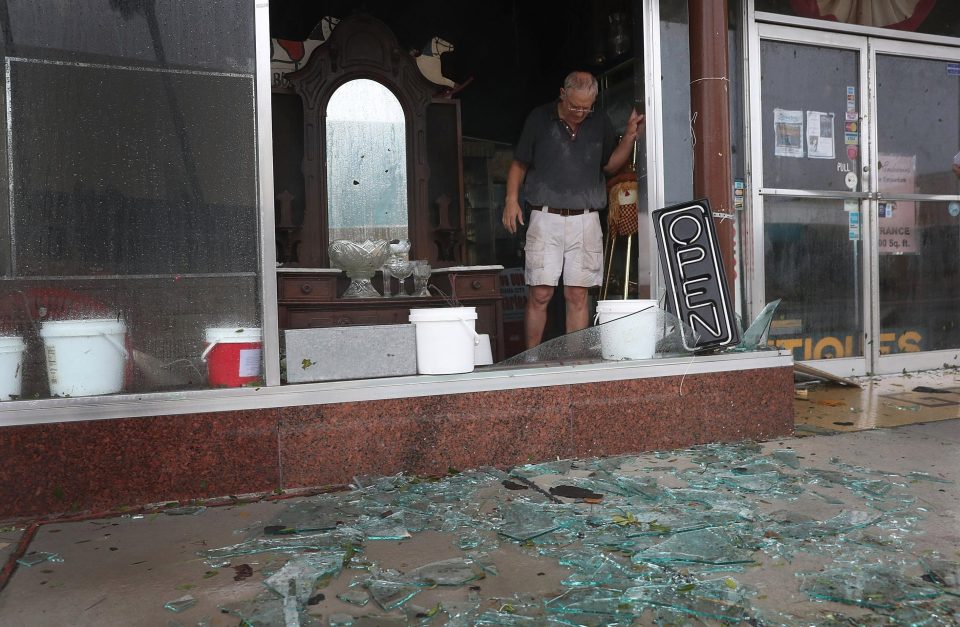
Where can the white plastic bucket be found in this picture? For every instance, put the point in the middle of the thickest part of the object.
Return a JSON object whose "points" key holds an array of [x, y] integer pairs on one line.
{"points": [[634, 338], [446, 337], [483, 352], [84, 357], [11, 367], [233, 355]]}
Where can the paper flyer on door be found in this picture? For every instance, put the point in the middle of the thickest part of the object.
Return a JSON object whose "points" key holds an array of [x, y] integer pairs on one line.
{"points": [[820, 135], [788, 133], [897, 219]]}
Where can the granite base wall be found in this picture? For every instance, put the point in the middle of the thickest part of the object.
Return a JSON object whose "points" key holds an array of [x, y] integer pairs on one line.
{"points": [[110, 464]]}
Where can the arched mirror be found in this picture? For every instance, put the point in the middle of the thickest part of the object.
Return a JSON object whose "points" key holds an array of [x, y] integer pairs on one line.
{"points": [[380, 149], [366, 148]]}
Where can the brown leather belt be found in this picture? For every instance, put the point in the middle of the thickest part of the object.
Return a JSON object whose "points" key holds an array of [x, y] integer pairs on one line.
{"points": [[560, 211]]}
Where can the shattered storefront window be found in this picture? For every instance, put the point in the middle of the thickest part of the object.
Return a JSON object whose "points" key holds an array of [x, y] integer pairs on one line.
{"points": [[669, 538], [643, 331]]}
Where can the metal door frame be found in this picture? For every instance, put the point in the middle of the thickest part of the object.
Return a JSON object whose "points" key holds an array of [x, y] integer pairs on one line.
{"points": [[869, 45], [847, 366], [888, 364]]}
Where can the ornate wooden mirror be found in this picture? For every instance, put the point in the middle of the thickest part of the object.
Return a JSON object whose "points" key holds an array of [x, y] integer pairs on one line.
{"points": [[370, 138]]}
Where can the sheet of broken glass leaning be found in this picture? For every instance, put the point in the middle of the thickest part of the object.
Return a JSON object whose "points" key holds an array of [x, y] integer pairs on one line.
{"points": [[664, 538], [647, 333]]}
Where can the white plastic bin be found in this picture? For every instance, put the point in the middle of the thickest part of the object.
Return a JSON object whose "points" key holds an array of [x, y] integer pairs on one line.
{"points": [[483, 351], [634, 338], [11, 366], [446, 337], [85, 357]]}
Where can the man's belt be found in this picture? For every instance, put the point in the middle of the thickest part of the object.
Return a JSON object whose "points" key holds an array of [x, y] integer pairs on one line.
{"points": [[559, 210]]}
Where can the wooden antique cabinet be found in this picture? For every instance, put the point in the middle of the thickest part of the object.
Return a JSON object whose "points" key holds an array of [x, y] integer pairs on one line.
{"points": [[362, 47], [308, 299]]}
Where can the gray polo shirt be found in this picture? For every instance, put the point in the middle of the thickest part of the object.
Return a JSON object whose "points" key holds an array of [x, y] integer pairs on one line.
{"points": [[565, 171]]}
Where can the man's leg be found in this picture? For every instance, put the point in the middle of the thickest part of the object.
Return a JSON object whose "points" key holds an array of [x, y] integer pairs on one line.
{"points": [[538, 297], [578, 316]]}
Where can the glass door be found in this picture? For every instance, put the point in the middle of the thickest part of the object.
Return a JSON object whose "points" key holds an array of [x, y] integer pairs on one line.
{"points": [[856, 159], [917, 140], [812, 168]]}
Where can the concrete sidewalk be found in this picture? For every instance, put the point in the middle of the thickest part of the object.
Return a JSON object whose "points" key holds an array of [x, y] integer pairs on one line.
{"points": [[717, 533]]}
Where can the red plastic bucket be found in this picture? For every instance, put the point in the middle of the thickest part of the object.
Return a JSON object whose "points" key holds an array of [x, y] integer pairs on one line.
{"points": [[234, 356]]}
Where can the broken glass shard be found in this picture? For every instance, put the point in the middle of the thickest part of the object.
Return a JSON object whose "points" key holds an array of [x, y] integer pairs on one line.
{"points": [[875, 586], [354, 597], [524, 521], [559, 467], [755, 336], [504, 619], [178, 605], [592, 570], [688, 599], [390, 594], [451, 572], [603, 602], [285, 544], [268, 610], [190, 510], [926, 476], [787, 457], [38, 557], [341, 619], [302, 572], [703, 546]]}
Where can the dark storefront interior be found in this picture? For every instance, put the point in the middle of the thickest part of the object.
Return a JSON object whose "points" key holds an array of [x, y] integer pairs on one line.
{"points": [[507, 58], [509, 55]]}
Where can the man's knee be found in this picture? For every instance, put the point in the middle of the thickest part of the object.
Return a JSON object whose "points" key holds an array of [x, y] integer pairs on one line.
{"points": [[540, 295], [575, 296]]}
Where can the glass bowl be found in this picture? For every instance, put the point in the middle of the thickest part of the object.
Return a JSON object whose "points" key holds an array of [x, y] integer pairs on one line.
{"points": [[360, 260]]}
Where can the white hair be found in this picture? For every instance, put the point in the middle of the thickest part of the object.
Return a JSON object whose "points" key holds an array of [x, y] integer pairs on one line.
{"points": [[581, 81]]}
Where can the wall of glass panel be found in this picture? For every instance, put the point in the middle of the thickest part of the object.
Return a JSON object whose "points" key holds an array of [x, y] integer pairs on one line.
{"points": [[130, 190]]}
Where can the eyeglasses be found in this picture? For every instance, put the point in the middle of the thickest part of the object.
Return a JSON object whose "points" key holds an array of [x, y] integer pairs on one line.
{"points": [[579, 110], [573, 109]]}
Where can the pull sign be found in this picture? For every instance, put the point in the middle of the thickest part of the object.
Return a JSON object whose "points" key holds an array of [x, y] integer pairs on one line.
{"points": [[697, 286]]}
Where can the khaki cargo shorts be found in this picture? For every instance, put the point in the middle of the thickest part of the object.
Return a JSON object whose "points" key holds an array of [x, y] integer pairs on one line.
{"points": [[568, 245]]}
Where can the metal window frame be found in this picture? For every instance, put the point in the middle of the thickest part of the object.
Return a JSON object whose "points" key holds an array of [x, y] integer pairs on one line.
{"points": [[653, 135], [268, 247]]}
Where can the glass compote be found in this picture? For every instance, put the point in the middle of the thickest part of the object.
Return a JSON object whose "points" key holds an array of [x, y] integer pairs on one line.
{"points": [[360, 260], [421, 277], [398, 248], [400, 268]]}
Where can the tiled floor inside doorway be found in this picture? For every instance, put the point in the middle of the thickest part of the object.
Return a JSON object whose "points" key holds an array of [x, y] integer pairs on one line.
{"points": [[880, 402]]}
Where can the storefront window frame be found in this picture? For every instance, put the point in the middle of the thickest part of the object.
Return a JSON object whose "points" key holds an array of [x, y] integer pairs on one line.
{"points": [[274, 394]]}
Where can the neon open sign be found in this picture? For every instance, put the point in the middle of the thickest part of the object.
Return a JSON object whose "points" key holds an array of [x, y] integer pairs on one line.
{"points": [[693, 268]]}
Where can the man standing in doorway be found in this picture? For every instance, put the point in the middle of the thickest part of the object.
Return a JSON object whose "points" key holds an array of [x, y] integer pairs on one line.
{"points": [[561, 160]]}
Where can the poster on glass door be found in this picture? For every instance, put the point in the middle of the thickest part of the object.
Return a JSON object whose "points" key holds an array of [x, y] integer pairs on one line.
{"points": [[820, 135], [788, 133], [897, 219]]}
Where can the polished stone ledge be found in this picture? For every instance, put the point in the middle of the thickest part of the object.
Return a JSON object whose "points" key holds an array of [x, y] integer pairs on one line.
{"points": [[46, 411]]}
